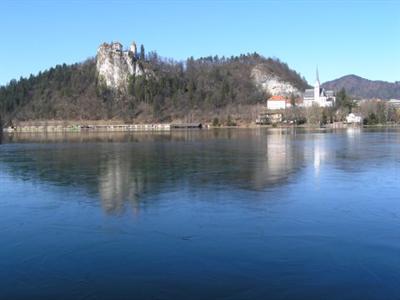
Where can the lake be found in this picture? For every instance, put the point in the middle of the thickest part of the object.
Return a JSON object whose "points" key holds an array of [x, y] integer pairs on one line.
{"points": [[207, 214]]}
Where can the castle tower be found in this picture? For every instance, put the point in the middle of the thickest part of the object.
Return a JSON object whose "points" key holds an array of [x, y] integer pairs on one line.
{"points": [[317, 88], [133, 49], [116, 46]]}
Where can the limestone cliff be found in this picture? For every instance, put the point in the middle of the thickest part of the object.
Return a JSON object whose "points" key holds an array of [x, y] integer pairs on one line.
{"points": [[115, 65], [272, 83]]}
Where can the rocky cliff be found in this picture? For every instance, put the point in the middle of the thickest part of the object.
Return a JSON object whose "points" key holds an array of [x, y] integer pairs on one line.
{"points": [[115, 65], [149, 90], [271, 83]]}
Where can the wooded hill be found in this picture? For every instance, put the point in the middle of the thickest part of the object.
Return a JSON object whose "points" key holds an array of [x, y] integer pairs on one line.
{"points": [[172, 90], [362, 88]]}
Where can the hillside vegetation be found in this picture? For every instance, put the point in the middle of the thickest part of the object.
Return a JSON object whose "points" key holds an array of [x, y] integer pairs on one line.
{"points": [[172, 90]]}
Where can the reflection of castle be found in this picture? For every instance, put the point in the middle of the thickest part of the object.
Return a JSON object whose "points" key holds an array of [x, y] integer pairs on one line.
{"points": [[118, 184], [120, 175]]}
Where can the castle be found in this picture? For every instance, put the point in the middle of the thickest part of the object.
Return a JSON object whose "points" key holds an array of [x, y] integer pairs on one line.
{"points": [[319, 96], [115, 65], [117, 47]]}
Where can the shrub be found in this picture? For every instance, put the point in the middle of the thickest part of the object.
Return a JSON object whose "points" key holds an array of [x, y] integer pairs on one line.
{"points": [[215, 122], [230, 122]]}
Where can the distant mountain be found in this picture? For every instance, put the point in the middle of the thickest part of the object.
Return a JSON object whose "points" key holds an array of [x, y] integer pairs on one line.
{"points": [[359, 87]]}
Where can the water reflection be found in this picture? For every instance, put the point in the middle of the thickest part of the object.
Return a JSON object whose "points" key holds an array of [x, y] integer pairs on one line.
{"points": [[118, 184], [235, 214], [282, 158], [121, 168], [320, 153]]}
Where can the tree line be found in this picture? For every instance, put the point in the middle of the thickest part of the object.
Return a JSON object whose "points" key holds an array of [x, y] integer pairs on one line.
{"points": [[373, 112], [170, 89]]}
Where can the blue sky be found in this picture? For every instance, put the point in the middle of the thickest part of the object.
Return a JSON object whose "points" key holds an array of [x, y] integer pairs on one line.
{"points": [[341, 37]]}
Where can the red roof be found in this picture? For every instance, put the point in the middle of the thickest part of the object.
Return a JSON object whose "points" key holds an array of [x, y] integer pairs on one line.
{"points": [[277, 98]]}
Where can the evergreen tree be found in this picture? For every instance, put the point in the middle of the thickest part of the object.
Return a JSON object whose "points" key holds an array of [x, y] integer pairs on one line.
{"points": [[344, 101], [76, 91], [142, 53]]}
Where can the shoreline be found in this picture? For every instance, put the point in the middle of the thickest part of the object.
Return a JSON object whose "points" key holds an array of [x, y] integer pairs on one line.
{"points": [[41, 129]]}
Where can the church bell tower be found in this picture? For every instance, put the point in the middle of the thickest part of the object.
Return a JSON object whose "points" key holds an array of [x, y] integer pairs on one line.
{"points": [[317, 87]]}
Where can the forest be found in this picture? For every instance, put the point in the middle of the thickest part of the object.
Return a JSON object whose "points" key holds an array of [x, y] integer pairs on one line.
{"points": [[203, 87]]}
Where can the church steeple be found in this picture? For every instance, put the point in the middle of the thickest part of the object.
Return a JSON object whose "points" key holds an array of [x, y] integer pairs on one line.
{"points": [[317, 87]]}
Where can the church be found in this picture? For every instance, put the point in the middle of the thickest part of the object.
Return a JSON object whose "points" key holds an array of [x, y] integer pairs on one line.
{"points": [[319, 96]]}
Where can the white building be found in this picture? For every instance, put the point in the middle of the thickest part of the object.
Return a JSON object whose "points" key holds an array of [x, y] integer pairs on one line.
{"points": [[353, 119], [276, 102], [282, 102], [319, 96], [394, 102], [116, 46]]}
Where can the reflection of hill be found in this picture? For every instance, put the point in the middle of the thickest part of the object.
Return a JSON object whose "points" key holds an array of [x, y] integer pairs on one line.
{"points": [[358, 148], [122, 169]]}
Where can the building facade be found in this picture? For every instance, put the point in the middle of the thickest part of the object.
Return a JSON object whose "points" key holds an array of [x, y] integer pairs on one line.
{"points": [[276, 102], [353, 119]]}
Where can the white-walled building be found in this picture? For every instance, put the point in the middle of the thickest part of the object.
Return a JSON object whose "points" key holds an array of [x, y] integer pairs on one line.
{"points": [[116, 46], [276, 102], [282, 102], [353, 119], [319, 96], [394, 102]]}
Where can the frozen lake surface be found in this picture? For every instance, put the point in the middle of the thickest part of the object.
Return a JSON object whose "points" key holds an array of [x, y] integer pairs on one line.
{"points": [[225, 214]]}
